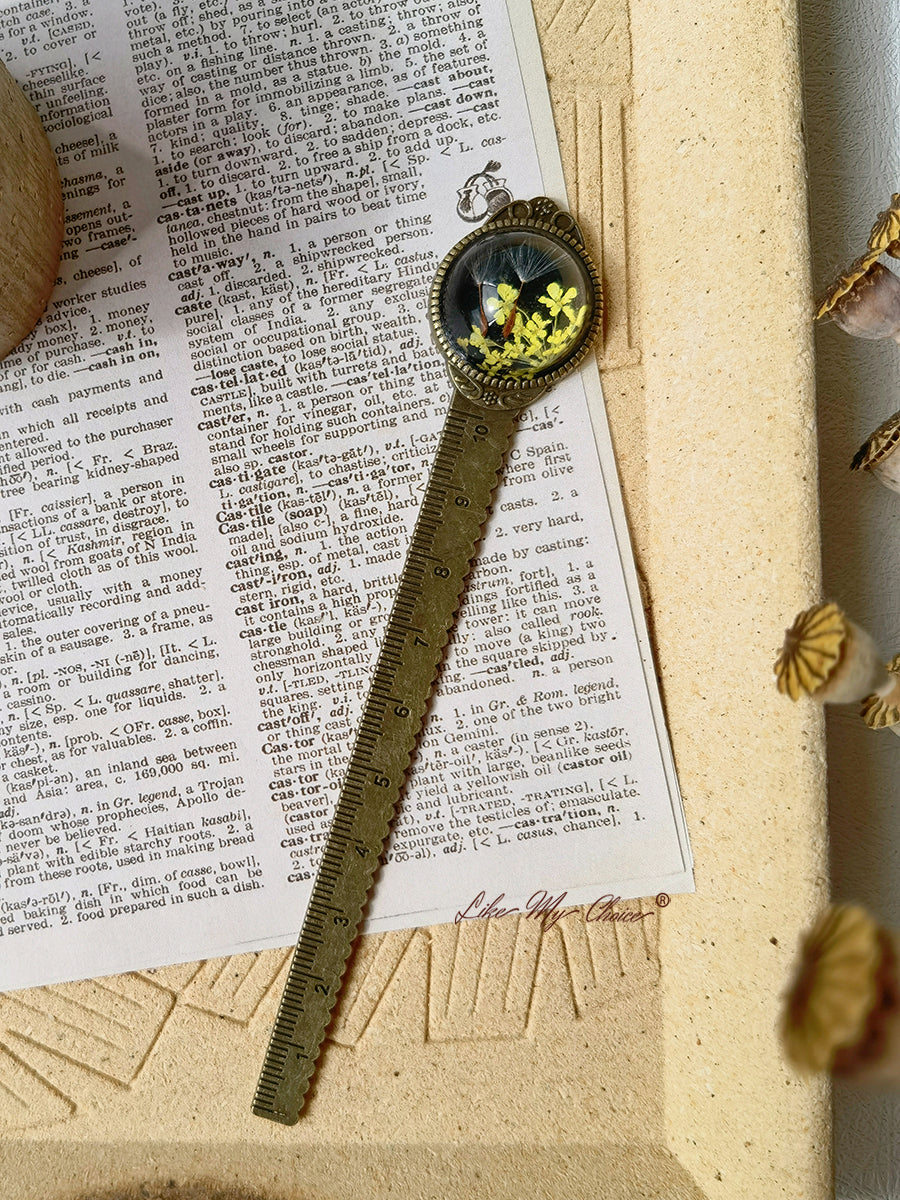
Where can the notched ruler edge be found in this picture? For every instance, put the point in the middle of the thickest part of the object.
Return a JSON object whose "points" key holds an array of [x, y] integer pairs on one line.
{"points": [[448, 530]]}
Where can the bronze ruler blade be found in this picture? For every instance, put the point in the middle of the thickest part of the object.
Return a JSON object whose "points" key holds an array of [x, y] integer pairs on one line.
{"points": [[457, 498]]}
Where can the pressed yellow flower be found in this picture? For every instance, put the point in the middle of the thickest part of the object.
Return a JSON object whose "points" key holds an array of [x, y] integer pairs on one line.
{"points": [[508, 296], [529, 344], [556, 298]]}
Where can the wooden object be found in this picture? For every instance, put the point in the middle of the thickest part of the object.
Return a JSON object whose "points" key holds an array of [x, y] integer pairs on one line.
{"points": [[31, 216]]}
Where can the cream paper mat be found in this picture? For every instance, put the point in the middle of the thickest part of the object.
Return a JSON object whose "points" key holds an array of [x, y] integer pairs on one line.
{"points": [[601, 1060]]}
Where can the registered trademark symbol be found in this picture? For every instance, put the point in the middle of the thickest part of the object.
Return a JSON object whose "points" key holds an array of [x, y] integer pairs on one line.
{"points": [[663, 899]]}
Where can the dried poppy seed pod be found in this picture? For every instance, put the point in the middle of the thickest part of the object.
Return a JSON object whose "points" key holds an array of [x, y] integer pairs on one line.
{"points": [[865, 299], [846, 281], [885, 235], [877, 455], [882, 710], [827, 656], [870, 306], [842, 1011]]}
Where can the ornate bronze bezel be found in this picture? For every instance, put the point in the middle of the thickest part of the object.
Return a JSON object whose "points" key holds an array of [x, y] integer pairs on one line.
{"points": [[541, 215]]}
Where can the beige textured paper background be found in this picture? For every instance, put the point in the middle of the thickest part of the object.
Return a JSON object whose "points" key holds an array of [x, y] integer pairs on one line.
{"points": [[600, 1060]]}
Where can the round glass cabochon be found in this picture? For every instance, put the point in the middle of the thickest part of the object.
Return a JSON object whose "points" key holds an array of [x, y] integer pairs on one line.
{"points": [[516, 304]]}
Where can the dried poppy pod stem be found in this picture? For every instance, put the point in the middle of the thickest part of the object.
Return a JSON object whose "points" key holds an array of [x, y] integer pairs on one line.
{"points": [[842, 1011], [827, 656]]}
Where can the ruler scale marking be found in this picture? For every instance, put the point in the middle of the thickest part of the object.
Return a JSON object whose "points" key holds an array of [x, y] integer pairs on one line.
{"points": [[530, 258], [280, 1094]]}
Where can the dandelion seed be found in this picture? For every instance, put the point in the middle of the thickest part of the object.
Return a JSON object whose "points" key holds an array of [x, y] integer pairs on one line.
{"points": [[530, 262]]}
